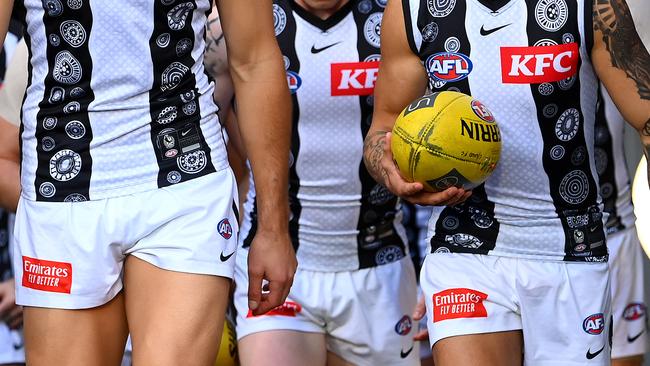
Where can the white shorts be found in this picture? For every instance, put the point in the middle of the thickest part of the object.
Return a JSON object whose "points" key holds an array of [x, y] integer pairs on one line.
{"points": [[365, 314], [70, 255], [12, 348], [562, 308], [628, 305]]}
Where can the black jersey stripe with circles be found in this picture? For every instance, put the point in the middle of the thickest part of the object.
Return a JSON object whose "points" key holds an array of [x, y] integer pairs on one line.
{"points": [[181, 149], [63, 130], [573, 187]]}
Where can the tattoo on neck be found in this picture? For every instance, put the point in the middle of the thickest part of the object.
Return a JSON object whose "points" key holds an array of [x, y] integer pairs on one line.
{"points": [[627, 51]]}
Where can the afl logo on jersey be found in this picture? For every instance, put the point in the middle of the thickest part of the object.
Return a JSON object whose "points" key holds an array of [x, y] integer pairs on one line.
{"points": [[448, 66], [294, 81], [594, 324], [279, 19], [225, 229]]}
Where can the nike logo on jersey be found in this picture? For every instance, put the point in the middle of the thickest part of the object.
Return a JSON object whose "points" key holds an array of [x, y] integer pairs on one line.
{"points": [[18, 346], [403, 354], [315, 50], [632, 339], [592, 355], [225, 257], [487, 32]]}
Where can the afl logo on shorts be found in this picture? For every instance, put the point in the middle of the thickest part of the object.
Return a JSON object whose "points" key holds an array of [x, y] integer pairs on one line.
{"points": [[594, 324], [225, 229], [294, 81], [634, 311], [404, 326], [448, 66]]}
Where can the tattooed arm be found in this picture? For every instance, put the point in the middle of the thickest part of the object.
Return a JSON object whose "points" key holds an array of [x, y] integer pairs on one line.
{"points": [[400, 70], [622, 63]]}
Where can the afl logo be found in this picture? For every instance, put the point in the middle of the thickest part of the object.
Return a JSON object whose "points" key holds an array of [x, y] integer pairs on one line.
{"points": [[294, 81], [225, 229], [279, 19], [634, 311], [594, 324], [404, 326], [481, 111], [448, 66]]}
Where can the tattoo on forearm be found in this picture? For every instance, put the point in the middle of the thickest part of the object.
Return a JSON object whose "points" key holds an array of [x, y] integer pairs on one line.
{"points": [[614, 20], [215, 60], [373, 152]]}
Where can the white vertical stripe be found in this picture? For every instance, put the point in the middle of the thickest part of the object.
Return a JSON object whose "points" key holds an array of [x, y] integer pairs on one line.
{"points": [[415, 13]]}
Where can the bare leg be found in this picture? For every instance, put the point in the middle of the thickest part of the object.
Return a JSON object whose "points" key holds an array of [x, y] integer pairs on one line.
{"points": [[283, 347], [175, 318], [76, 337], [335, 360], [490, 349], [628, 361]]}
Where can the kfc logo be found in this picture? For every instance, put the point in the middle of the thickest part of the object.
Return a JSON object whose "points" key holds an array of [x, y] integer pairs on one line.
{"points": [[47, 275], [354, 78], [458, 303], [449, 66], [289, 308], [541, 64]]}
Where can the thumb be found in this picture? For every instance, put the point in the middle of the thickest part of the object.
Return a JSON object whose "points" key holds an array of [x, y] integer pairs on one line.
{"points": [[254, 289], [420, 309]]}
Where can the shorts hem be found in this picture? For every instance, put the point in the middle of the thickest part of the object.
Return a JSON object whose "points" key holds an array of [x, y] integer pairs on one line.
{"points": [[268, 327], [462, 332], [188, 265], [629, 352], [64, 301]]}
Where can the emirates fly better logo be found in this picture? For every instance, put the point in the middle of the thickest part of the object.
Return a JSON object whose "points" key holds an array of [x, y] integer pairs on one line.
{"points": [[458, 303], [47, 275]]}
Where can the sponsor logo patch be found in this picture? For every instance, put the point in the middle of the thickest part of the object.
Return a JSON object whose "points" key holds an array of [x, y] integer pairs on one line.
{"points": [[541, 64], [482, 111], [224, 228], [289, 308], [354, 78], [594, 324], [46, 275], [404, 326], [294, 81], [448, 66], [457, 303], [634, 311]]}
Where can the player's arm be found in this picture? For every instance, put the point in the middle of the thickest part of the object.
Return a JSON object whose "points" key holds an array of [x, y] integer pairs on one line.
{"points": [[622, 63], [6, 7], [9, 166], [400, 70], [264, 119]]}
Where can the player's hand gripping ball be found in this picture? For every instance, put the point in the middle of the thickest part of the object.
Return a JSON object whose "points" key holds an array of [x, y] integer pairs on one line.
{"points": [[446, 139]]}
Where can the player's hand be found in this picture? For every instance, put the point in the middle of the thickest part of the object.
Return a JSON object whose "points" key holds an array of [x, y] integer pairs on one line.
{"points": [[420, 312], [271, 258], [10, 313], [414, 191]]}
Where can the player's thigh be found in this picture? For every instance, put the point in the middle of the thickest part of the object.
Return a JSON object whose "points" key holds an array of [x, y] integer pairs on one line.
{"points": [[283, 347], [335, 360], [172, 312], [488, 349], [81, 337], [628, 361]]}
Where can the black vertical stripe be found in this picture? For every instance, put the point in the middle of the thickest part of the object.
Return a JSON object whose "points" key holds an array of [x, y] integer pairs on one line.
{"points": [[604, 155], [287, 42], [565, 158], [377, 236], [63, 130], [181, 150]]}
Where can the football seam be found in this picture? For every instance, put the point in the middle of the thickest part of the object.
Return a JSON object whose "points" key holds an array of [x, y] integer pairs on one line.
{"points": [[405, 136]]}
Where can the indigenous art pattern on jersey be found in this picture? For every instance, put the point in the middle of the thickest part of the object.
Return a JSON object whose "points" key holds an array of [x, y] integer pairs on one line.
{"points": [[341, 219], [527, 61]]}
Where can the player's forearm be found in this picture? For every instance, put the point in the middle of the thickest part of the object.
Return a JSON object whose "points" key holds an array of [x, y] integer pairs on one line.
{"points": [[6, 6], [373, 153], [9, 184], [264, 117]]}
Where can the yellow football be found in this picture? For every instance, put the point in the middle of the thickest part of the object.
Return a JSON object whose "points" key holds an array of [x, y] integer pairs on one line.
{"points": [[446, 139]]}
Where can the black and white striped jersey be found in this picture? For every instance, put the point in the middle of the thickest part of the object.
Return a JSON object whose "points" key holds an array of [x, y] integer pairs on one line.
{"points": [[528, 60], [613, 177], [341, 219], [118, 101], [14, 34]]}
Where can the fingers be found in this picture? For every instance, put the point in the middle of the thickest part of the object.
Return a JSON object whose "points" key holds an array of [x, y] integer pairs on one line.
{"points": [[420, 309], [421, 335], [254, 288], [15, 317], [278, 291]]}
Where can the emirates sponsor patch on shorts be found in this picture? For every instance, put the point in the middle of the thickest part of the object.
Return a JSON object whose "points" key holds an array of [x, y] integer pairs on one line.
{"points": [[46, 275], [289, 308], [457, 303]]}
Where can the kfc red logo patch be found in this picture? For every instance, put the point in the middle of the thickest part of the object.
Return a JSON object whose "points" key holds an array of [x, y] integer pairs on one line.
{"points": [[289, 308], [458, 303], [354, 78], [47, 275], [540, 64]]}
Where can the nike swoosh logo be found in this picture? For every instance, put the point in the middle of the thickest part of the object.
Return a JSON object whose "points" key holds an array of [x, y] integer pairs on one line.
{"points": [[632, 339], [592, 355], [185, 133], [486, 32], [315, 50], [225, 257], [403, 354], [18, 346]]}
